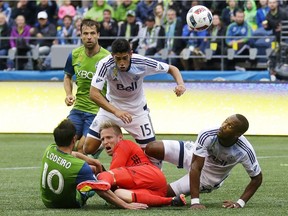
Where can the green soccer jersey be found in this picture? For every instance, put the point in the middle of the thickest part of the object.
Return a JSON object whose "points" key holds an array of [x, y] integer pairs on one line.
{"points": [[84, 67], [60, 174]]}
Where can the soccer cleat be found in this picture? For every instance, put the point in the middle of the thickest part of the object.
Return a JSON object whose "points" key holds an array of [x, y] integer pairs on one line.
{"points": [[179, 200], [93, 185]]}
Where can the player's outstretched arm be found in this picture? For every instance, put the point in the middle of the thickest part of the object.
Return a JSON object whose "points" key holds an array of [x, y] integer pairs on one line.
{"points": [[249, 191], [110, 197], [180, 88], [91, 161], [194, 174]]}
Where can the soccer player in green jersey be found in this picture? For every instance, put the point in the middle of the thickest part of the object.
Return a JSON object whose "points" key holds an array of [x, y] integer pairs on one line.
{"points": [[63, 169], [82, 62]]}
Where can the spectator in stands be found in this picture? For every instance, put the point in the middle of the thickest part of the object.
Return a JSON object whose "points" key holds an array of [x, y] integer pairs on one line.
{"points": [[250, 10], [177, 6], [195, 47], [274, 18], [144, 9], [51, 8], [65, 32], [216, 44], [6, 9], [27, 9], [273, 22], [173, 45], [108, 28], [262, 11], [262, 43], [66, 9], [228, 14], [160, 14], [122, 9], [77, 30], [130, 29], [43, 31], [149, 41], [238, 38], [215, 6], [97, 10], [4, 41], [19, 43], [82, 9]]}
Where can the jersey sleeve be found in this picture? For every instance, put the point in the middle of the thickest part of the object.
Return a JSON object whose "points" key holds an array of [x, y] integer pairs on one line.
{"points": [[155, 67], [201, 144], [100, 75], [250, 162], [69, 69], [85, 174]]}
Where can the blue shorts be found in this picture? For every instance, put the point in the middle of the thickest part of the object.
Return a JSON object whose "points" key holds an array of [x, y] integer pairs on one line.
{"points": [[81, 120]]}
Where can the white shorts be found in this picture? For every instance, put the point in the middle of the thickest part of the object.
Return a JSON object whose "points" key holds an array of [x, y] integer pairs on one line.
{"points": [[140, 128], [179, 153]]}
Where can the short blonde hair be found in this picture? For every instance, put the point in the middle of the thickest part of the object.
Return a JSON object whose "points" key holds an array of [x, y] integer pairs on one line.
{"points": [[109, 124]]}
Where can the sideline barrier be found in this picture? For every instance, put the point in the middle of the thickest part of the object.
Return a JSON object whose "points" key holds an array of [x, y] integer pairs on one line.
{"points": [[37, 107], [187, 76]]}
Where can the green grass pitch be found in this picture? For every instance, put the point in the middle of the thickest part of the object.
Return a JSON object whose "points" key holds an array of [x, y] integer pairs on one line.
{"points": [[20, 157]]}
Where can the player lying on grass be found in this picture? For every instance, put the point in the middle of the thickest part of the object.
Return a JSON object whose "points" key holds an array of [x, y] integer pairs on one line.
{"points": [[132, 176], [61, 172], [210, 159]]}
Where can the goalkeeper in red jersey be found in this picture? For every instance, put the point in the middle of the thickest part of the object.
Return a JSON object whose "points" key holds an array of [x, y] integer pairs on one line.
{"points": [[132, 176]]}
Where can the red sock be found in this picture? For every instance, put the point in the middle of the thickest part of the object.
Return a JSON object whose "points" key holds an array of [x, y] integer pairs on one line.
{"points": [[151, 200]]}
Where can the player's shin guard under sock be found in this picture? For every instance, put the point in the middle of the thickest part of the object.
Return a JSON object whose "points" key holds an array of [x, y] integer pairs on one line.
{"points": [[151, 200]]}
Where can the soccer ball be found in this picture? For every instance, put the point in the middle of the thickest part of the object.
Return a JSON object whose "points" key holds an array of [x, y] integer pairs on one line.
{"points": [[199, 18]]}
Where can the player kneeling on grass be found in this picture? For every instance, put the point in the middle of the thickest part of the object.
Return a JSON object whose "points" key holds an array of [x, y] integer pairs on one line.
{"points": [[132, 176], [63, 169], [210, 159]]}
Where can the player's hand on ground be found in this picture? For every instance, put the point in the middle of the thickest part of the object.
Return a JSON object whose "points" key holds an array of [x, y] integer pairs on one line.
{"points": [[124, 116], [230, 204], [179, 90], [135, 206], [197, 206], [69, 100]]}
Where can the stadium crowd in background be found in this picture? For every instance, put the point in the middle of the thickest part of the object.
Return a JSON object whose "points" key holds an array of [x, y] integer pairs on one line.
{"points": [[112, 13]]}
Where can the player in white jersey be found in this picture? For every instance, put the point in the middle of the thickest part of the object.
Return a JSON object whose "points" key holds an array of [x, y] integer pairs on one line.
{"points": [[125, 103], [210, 159]]}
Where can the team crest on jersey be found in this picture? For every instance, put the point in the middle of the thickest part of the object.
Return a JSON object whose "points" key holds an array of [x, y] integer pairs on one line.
{"points": [[136, 78], [115, 74], [161, 67]]}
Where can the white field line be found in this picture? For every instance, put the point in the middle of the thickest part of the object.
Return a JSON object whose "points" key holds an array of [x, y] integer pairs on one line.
{"points": [[106, 164]]}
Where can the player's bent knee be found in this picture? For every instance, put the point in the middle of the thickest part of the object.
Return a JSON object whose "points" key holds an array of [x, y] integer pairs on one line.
{"points": [[155, 149]]}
